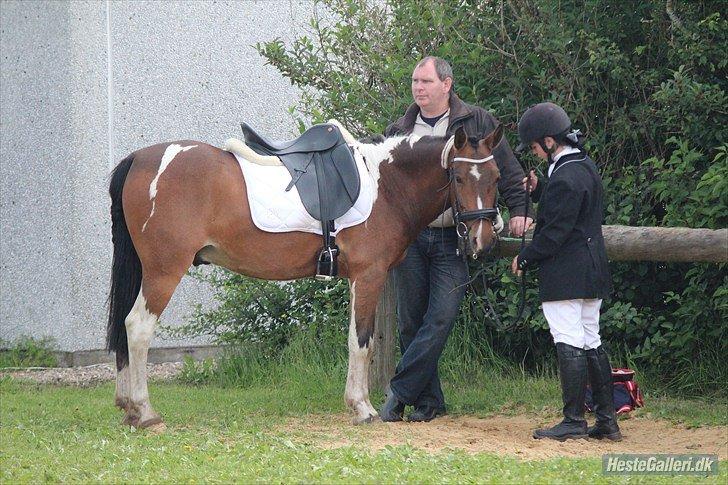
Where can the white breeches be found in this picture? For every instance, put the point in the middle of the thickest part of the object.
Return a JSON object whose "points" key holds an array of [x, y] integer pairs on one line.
{"points": [[574, 322]]}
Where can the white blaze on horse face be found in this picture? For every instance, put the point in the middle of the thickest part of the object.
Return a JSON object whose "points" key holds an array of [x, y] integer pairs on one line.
{"points": [[479, 232], [169, 154], [475, 172]]}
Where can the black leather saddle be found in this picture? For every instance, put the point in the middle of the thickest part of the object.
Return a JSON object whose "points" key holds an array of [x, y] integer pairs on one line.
{"points": [[324, 171], [321, 165]]}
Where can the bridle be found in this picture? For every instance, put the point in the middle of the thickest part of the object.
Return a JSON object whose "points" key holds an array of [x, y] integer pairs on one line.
{"points": [[462, 217], [463, 232]]}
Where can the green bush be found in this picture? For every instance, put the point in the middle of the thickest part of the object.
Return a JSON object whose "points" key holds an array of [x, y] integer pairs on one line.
{"points": [[28, 352], [268, 314]]}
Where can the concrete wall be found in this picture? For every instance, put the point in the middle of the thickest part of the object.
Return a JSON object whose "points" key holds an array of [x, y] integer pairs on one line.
{"points": [[82, 84]]}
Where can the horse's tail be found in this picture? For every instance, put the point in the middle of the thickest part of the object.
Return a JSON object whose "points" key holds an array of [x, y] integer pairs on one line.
{"points": [[126, 270]]}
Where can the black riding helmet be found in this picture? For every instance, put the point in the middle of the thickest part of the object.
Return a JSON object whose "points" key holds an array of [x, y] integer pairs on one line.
{"points": [[542, 120]]}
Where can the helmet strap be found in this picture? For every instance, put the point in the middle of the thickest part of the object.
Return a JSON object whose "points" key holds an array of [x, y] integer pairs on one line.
{"points": [[548, 151]]}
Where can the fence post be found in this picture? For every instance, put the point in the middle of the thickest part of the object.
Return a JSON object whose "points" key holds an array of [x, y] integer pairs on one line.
{"points": [[382, 365]]}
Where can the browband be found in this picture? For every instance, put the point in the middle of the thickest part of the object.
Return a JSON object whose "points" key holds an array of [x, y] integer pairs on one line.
{"points": [[473, 160]]}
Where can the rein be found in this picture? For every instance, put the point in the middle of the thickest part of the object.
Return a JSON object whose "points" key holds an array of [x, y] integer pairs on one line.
{"points": [[522, 305]]}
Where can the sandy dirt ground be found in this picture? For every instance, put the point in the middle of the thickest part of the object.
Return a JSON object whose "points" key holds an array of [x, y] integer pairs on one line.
{"points": [[509, 435]]}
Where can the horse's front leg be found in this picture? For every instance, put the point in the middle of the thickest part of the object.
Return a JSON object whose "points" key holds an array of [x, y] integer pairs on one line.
{"points": [[365, 291]]}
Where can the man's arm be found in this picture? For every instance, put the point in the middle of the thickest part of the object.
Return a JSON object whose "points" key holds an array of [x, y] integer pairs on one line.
{"points": [[510, 185]]}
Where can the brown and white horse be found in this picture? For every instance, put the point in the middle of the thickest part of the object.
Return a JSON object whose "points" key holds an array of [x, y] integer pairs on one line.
{"points": [[173, 204]]}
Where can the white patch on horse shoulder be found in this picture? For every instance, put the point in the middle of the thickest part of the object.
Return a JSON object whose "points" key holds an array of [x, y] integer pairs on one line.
{"points": [[474, 171], [412, 139], [169, 154], [373, 155]]}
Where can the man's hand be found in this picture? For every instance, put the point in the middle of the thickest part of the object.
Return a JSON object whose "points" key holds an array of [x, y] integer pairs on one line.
{"points": [[514, 267], [517, 225], [534, 181]]}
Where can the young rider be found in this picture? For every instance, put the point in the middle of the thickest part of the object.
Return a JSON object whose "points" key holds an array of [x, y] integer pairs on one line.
{"points": [[568, 248]]}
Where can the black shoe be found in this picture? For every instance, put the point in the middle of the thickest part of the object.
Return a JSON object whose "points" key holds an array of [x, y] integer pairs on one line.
{"points": [[600, 378], [426, 413], [392, 409], [573, 376], [600, 432], [565, 430]]}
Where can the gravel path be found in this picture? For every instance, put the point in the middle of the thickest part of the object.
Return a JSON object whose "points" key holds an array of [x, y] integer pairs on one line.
{"points": [[88, 375]]}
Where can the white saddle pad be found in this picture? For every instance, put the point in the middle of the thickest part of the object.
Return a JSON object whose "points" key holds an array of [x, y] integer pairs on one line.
{"points": [[275, 210]]}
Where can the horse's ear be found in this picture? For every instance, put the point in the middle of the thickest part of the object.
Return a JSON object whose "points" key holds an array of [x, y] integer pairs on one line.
{"points": [[494, 137], [460, 138]]}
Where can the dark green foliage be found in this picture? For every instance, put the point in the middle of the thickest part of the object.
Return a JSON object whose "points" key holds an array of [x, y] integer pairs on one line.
{"points": [[648, 90], [269, 314], [28, 352]]}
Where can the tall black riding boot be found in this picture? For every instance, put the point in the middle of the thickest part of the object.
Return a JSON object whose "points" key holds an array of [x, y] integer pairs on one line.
{"points": [[573, 374], [600, 378]]}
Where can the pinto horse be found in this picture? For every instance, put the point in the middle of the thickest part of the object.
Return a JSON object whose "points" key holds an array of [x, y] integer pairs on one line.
{"points": [[175, 204]]}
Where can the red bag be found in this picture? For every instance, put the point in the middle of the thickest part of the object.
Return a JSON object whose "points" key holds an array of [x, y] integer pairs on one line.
{"points": [[627, 394]]}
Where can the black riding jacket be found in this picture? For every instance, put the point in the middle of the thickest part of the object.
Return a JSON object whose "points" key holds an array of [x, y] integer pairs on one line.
{"points": [[568, 244]]}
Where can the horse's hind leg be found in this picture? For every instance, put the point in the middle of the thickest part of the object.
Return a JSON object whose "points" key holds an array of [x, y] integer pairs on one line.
{"points": [[123, 384], [153, 297], [365, 291]]}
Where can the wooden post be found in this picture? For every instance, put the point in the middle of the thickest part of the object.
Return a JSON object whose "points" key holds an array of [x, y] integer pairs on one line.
{"points": [[385, 339]]}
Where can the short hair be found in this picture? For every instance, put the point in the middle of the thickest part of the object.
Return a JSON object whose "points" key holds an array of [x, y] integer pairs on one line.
{"points": [[442, 67]]}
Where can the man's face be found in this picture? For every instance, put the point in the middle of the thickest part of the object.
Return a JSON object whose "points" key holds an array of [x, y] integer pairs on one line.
{"points": [[427, 89]]}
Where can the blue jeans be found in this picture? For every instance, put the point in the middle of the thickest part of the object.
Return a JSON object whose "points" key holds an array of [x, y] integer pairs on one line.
{"points": [[429, 291]]}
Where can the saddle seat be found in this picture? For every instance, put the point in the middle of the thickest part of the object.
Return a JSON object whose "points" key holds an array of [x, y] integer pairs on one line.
{"points": [[324, 171], [317, 138]]}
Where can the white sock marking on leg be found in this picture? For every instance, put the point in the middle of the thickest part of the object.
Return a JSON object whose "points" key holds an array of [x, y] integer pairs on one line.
{"points": [[140, 325]]}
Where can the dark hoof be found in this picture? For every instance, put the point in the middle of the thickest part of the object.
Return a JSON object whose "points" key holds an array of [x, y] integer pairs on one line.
{"points": [[150, 422], [368, 420]]}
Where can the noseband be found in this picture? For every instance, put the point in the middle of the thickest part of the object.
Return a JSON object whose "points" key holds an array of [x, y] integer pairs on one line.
{"points": [[461, 217]]}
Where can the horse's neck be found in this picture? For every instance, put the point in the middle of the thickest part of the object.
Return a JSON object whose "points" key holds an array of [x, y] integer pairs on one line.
{"points": [[415, 187]]}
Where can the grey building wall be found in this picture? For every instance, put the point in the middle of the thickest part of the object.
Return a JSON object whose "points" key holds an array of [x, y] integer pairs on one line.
{"points": [[82, 84]]}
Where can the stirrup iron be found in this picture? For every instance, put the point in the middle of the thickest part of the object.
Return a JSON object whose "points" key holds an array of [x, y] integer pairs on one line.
{"points": [[327, 267]]}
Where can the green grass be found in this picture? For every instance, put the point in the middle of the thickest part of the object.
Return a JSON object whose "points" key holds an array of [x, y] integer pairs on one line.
{"points": [[223, 434], [28, 352]]}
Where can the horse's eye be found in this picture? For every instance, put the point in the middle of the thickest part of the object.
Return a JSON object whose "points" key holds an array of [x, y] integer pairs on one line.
{"points": [[458, 179]]}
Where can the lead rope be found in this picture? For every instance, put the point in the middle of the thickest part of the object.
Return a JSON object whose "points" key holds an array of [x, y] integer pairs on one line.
{"points": [[522, 305]]}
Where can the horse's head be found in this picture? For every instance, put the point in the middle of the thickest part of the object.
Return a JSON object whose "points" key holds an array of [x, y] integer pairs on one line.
{"points": [[474, 188]]}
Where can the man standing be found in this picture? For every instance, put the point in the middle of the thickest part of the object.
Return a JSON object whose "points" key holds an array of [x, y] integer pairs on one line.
{"points": [[430, 281]]}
